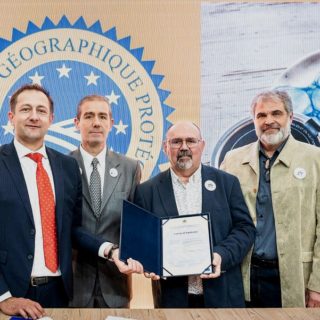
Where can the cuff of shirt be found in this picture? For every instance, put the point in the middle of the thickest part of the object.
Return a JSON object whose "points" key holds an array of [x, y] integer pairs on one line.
{"points": [[5, 296], [102, 248]]}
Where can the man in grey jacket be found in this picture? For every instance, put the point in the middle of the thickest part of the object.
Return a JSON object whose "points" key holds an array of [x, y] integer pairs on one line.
{"points": [[107, 179]]}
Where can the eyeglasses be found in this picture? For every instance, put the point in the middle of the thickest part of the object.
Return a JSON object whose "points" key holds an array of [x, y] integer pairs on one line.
{"points": [[177, 143]]}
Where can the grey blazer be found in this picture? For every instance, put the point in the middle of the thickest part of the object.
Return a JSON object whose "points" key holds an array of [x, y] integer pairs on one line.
{"points": [[115, 286]]}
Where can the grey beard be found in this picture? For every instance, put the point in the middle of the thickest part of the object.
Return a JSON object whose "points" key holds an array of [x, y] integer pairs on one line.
{"points": [[184, 165], [276, 138]]}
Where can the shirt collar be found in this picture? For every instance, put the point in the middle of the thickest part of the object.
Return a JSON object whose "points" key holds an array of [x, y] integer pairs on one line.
{"points": [[22, 150], [196, 177], [277, 152], [87, 157]]}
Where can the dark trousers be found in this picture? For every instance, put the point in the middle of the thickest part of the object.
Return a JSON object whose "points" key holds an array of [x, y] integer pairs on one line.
{"points": [[49, 295], [97, 300], [195, 301], [265, 287]]}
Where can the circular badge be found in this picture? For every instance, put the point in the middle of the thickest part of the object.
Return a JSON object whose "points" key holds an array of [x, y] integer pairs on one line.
{"points": [[299, 173], [113, 172], [210, 185], [75, 60]]}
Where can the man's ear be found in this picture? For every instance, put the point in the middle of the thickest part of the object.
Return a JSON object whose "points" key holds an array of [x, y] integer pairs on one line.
{"points": [[76, 123], [165, 147], [10, 116], [51, 117], [291, 117]]}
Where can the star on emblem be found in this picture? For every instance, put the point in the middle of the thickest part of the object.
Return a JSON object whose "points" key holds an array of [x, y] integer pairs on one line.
{"points": [[63, 71], [121, 128], [36, 79], [92, 78], [113, 98], [8, 128]]}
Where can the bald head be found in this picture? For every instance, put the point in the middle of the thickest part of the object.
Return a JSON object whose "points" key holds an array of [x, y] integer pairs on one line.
{"points": [[183, 147], [185, 126]]}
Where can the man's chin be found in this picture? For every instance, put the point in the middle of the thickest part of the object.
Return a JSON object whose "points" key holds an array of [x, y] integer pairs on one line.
{"points": [[273, 139], [184, 164], [96, 143]]}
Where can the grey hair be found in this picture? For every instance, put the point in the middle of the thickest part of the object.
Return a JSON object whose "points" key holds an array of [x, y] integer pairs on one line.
{"points": [[273, 95]]}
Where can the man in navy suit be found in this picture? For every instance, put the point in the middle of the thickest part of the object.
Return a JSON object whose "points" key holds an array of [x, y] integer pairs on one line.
{"points": [[28, 282], [189, 187]]}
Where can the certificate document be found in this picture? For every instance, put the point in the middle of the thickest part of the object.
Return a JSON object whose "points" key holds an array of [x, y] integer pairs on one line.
{"points": [[167, 246], [186, 245]]}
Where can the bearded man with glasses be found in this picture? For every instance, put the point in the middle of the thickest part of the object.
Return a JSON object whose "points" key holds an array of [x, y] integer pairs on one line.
{"points": [[190, 187]]}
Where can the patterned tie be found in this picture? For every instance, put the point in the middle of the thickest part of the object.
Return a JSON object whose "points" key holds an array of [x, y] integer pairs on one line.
{"points": [[95, 188], [47, 212]]}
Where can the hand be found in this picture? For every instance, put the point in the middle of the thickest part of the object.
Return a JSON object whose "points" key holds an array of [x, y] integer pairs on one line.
{"points": [[132, 266], [313, 299], [216, 262], [23, 307], [151, 276]]}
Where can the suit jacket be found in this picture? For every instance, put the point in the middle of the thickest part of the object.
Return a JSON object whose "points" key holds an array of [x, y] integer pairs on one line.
{"points": [[17, 230], [115, 286], [296, 207], [232, 235]]}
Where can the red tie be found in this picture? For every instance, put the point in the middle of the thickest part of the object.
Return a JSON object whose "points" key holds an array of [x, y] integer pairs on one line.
{"points": [[47, 212]]}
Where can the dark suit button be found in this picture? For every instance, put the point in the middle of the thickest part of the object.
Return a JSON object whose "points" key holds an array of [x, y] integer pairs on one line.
{"points": [[32, 232], [30, 256]]}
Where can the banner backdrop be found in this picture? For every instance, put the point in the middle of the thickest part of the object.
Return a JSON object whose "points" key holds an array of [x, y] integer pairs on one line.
{"points": [[250, 47], [142, 55]]}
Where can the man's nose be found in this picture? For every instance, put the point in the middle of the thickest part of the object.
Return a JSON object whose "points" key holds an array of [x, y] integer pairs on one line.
{"points": [[269, 119], [96, 122], [184, 145], [34, 115]]}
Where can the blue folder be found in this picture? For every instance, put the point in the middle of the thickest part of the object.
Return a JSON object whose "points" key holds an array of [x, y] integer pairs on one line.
{"points": [[141, 237]]}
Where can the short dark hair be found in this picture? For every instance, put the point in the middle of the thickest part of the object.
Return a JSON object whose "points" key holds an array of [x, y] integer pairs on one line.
{"points": [[29, 87], [273, 95], [93, 97]]}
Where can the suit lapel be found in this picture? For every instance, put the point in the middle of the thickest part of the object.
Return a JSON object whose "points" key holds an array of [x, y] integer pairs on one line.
{"points": [[13, 165], [85, 184], [251, 158], [166, 194], [56, 168], [207, 196], [110, 182]]}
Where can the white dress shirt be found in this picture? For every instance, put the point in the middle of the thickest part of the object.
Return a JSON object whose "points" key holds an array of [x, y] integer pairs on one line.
{"points": [[188, 198], [87, 161]]}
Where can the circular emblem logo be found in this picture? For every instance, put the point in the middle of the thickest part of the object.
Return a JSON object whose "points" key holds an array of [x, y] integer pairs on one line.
{"points": [[300, 173], [210, 185], [72, 61]]}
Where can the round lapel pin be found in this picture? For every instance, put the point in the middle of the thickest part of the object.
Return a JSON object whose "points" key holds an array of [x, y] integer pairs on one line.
{"points": [[299, 173], [210, 185], [113, 172]]}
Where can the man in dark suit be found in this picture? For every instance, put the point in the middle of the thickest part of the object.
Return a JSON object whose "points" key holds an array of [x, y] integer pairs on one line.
{"points": [[107, 179], [40, 201], [187, 188]]}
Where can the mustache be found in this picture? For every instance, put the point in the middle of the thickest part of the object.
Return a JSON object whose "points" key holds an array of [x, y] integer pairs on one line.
{"points": [[184, 153], [271, 126]]}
